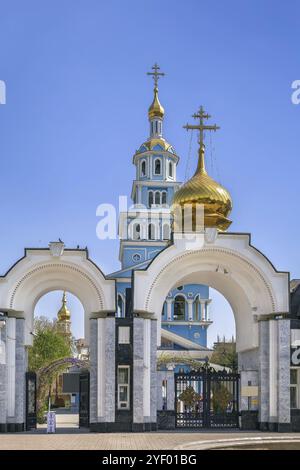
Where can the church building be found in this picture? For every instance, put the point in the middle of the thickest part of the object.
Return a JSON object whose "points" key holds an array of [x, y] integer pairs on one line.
{"points": [[145, 230]]}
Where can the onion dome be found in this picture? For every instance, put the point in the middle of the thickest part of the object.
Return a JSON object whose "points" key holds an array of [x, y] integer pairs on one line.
{"points": [[156, 110], [202, 189], [64, 314]]}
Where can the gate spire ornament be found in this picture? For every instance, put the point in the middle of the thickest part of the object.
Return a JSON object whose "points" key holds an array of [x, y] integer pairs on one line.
{"points": [[156, 74], [156, 110], [201, 127], [201, 189]]}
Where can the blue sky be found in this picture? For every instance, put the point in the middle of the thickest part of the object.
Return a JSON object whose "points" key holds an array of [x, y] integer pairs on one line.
{"points": [[77, 100]]}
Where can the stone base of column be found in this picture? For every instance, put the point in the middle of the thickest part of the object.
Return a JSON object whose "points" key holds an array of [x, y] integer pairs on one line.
{"points": [[122, 427], [166, 419], [249, 420], [12, 427], [295, 420], [275, 427]]}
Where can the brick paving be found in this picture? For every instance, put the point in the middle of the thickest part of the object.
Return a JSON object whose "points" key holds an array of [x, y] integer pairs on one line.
{"points": [[120, 441]]}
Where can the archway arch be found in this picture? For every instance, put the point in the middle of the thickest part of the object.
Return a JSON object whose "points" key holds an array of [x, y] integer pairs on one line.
{"points": [[230, 265], [39, 272]]}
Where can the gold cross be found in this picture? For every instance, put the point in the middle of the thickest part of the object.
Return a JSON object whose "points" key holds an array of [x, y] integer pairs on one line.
{"points": [[201, 127], [156, 74]]}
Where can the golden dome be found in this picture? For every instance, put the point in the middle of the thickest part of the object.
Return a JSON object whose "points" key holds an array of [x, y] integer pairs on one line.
{"points": [[64, 314], [202, 189], [156, 109]]}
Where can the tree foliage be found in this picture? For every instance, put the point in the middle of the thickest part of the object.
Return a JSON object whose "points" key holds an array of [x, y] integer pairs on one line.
{"points": [[48, 344], [221, 398], [225, 354]]}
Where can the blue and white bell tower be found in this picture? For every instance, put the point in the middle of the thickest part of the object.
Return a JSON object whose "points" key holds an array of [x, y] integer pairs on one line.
{"points": [[145, 230]]}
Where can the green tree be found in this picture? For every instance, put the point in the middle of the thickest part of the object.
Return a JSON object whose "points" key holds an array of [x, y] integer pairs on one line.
{"points": [[48, 344], [225, 354], [221, 398]]}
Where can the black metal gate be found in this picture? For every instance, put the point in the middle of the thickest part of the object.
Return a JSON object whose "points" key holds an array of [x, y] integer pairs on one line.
{"points": [[207, 399], [84, 399], [30, 380]]}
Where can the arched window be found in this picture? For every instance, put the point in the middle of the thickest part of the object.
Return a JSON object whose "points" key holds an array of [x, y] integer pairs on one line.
{"points": [[171, 169], [151, 232], [163, 312], [120, 306], [143, 168], [164, 197], [136, 232], [157, 167], [179, 308], [150, 198], [157, 197], [166, 232]]}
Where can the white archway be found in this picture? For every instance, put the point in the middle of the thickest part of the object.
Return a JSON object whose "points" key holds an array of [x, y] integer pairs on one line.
{"points": [[40, 272], [229, 264]]}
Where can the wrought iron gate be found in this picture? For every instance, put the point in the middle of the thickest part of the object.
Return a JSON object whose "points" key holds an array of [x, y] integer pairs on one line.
{"points": [[84, 399], [30, 379], [207, 399]]}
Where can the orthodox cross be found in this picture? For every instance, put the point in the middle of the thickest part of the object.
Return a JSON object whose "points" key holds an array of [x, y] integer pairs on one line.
{"points": [[201, 127], [156, 74]]}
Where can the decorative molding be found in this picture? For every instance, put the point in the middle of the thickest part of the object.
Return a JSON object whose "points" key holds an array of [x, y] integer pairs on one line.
{"points": [[56, 249], [211, 250], [60, 266]]}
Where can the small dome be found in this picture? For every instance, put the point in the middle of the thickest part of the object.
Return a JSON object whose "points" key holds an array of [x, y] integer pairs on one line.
{"points": [[202, 189], [156, 110], [159, 144], [64, 314]]}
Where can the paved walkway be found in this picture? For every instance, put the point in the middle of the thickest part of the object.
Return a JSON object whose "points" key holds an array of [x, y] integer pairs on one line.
{"points": [[64, 420], [142, 441]]}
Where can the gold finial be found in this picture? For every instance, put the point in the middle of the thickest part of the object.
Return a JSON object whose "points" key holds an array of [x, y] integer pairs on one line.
{"points": [[202, 189], [156, 109], [64, 313], [201, 127], [156, 74]]}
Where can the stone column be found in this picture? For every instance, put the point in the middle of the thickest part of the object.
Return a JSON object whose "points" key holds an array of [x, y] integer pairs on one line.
{"points": [[273, 379], [138, 370], [153, 372], [284, 406], [93, 370], [3, 377], [11, 368], [263, 361], [21, 365], [14, 374], [274, 374], [102, 371], [190, 309], [144, 374]]}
